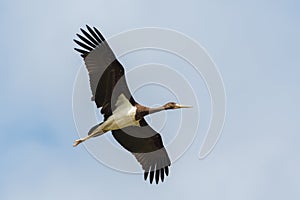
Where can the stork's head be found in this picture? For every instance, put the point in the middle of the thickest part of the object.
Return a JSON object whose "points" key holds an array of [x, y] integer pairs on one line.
{"points": [[172, 105]]}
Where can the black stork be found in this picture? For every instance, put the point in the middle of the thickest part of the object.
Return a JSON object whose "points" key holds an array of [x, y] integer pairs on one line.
{"points": [[123, 116]]}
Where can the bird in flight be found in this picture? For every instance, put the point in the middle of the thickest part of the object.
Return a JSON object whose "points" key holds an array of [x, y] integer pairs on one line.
{"points": [[123, 116]]}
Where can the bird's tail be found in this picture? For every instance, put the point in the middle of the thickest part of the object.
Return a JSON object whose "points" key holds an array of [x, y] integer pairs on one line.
{"points": [[94, 128]]}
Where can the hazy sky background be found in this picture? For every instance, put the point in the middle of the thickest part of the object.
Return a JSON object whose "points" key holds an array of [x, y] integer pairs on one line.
{"points": [[255, 44]]}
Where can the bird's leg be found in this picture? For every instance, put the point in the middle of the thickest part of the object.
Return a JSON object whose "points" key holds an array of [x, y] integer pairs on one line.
{"points": [[77, 142], [95, 131]]}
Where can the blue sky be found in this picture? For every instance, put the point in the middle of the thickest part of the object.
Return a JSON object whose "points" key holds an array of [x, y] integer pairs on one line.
{"points": [[255, 44]]}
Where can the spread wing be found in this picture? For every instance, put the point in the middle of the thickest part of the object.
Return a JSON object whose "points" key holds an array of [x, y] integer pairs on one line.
{"points": [[147, 147], [106, 74]]}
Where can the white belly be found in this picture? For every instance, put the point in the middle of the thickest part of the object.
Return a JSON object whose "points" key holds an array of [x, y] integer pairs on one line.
{"points": [[123, 116], [121, 119]]}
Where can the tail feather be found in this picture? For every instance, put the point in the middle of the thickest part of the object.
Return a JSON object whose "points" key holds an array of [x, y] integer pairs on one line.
{"points": [[94, 128]]}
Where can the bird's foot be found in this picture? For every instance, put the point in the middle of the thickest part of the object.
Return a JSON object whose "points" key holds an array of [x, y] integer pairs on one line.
{"points": [[77, 142]]}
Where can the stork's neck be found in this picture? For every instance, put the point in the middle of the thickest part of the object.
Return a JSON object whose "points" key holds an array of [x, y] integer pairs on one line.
{"points": [[154, 110], [142, 111]]}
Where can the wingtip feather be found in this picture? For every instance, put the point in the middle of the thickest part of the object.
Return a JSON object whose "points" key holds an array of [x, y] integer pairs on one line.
{"points": [[146, 175], [162, 174], [151, 176], [167, 170], [157, 176]]}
